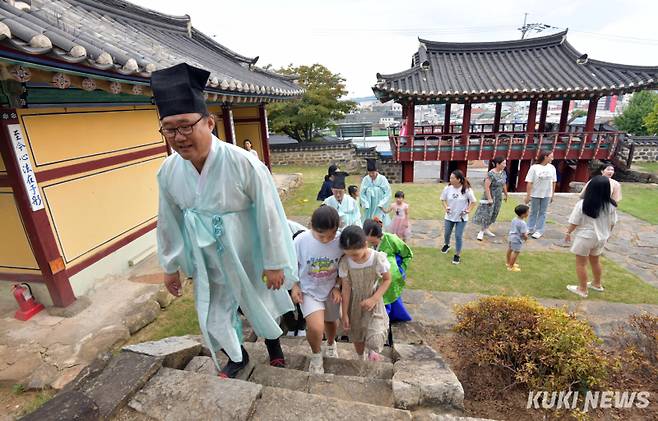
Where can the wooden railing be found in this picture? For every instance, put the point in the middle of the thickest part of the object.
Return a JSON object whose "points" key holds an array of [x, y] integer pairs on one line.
{"points": [[511, 145]]}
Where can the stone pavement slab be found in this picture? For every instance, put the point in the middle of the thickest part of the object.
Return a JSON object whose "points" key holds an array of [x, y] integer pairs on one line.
{"points": [[183, 395], [283, 405]]}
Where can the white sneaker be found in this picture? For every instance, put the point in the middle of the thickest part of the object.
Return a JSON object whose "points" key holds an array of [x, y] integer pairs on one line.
{"points": [[489, 233], [301, 332], [480, 236], [331, 350], [316, 365], [536, 235], [598, 289], [575, 290]]}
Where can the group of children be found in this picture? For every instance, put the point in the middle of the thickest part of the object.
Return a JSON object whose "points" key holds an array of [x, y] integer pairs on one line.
{"points": [[341, 278]]}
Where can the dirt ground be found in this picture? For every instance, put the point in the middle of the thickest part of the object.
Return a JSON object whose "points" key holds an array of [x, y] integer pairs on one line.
{"points": [[485, 395]]}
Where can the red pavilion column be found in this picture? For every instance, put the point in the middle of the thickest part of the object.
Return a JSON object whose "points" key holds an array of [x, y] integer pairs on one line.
{"points": [[444, 171], [465, 136], [408, 171], [532, 118], [564, 116], [582, 167], [542, 116], [496, 122], [466, 123], [446, 120], [524, 167], [461, 165]]}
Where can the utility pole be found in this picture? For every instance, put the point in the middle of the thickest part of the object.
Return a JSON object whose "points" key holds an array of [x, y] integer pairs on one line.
{"points": [[535, 27]]}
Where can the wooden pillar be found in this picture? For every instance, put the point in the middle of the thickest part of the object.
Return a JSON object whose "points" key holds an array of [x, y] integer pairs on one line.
{"points": [[408, 171], [582, 171], [444, 171], [446, 120], [512, 172], [524, 167], [466, 123], [229, 127], [564, 116], [591, 117], [542, 116], [463, 166], [265, 137], [36, 222], [496, 122], [532, 118]]}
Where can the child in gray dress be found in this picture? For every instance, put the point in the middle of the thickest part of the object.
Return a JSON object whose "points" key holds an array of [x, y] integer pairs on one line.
{"points": [[518, 233], [365, 276]]}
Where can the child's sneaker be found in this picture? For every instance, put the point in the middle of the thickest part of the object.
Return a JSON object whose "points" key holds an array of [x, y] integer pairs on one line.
{"points": [[456, 260], [575, 290], [331, 350], [598, 289], [445, 249], [514, 268], [316, 365], [536, 235], [480, 236], [489, 233]]}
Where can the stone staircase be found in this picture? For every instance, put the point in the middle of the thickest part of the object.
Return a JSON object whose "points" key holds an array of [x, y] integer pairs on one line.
{"points": [[175, 379]]}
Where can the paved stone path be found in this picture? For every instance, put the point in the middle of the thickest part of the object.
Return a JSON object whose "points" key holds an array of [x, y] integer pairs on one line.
{"points": [[634, 243]]}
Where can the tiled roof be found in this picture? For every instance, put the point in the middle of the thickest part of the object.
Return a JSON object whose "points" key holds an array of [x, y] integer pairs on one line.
{"points": [[545, 67], [130, 42]]}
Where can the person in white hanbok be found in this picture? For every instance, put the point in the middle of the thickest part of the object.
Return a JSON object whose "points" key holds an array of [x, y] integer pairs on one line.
{"points": [[221, 222], [348, 209], [375, 194]]}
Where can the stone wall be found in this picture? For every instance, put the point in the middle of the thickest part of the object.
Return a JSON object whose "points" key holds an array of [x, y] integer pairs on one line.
{"points": [[320, 154], [645, 148], [344, 154]]}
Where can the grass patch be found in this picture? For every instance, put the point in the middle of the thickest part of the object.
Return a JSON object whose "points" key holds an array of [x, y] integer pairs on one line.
{"points": [[641, 201], [423, 198], [650, 167], [178, 319], [544, 275]]}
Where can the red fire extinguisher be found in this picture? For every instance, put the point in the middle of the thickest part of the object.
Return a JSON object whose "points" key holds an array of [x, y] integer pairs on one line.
{"points": [[28, 305]]}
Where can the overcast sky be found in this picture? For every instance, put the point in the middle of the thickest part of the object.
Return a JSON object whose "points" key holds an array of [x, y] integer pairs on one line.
{"points": [[358, 38]]}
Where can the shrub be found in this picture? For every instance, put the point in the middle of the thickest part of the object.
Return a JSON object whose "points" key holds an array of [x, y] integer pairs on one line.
{"points": [[637, 348], [542, 348]]}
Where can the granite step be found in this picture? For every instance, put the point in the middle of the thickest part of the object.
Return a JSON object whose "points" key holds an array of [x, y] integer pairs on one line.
{"points": [[298, 356], [178, 394], [350, 388]]}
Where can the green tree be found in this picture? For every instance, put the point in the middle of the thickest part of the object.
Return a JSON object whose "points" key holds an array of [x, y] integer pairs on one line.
{"points": [[651, 121], [317, 109], [632, 120]]}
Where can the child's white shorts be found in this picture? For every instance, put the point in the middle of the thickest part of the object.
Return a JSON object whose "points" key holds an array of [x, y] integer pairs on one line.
{"points": [[310, 305]]}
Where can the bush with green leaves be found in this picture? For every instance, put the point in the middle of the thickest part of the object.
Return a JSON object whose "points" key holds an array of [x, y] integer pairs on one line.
{"points": [[541, 348]]}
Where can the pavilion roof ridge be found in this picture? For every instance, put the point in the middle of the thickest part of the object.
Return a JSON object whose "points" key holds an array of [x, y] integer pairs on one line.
{"points": [[537, 42]]}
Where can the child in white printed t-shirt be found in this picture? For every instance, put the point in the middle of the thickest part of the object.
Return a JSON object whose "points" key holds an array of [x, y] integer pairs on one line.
{"points": [[318, 293]]}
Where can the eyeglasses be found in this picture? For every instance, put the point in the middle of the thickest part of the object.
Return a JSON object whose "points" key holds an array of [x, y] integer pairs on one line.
{"points": [[183, 130]]}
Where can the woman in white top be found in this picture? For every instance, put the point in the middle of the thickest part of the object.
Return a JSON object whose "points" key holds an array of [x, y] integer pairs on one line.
{"points": [[607, 170], [458, 201], [541, 180], [591, 221], [249, 148]]}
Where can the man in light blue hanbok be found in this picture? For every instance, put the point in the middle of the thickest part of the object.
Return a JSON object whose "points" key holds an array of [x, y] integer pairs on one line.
{"points": [[375, 194], [347, 208], [221, 222]]}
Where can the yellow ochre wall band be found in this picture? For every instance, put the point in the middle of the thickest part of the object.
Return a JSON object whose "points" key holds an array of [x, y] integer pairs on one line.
{"points": [[15, 251]]}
